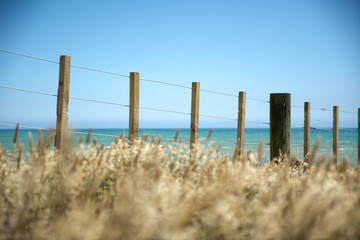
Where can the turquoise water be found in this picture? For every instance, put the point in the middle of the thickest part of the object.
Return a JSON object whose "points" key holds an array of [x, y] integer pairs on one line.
{"points": [[225, 136]]}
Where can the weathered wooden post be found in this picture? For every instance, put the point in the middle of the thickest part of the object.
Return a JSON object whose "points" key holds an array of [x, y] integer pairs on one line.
{"points": [[336, 133], [134, 107], [194, 129], [306, 128], [63, 103], [241, 124], [280, 124]]}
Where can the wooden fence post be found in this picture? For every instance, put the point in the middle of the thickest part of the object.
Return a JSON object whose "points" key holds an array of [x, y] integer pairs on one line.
{"points": [[336, 133], [241, 124], [306, 128], [280, 124], [134, 107], [358, 136], [195, 97], [62, 103]]}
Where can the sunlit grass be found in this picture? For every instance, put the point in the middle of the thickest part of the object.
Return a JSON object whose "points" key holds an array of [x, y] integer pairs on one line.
{"points": [[153, 191]]}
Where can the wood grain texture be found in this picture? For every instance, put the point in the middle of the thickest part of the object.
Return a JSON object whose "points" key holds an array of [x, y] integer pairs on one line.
{"points": [[306, 128], [134, 107], [63, 103], [336, 133], [241, 124], [280, 124], [194, 126]]}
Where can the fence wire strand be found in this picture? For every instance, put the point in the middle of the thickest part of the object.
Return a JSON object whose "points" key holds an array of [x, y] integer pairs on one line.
{"points": [[126, 105], [101, 71], [164, 110], [149, 80], [55, 95], [29, 91], [29, 56], [165, 83], [50, 129], [126, 76], [99, 101], [27, 127]]}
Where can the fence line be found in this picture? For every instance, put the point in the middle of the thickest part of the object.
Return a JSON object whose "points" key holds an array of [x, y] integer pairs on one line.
{"points": [[29, 56], [161, 82], [101, 71], [126, 76], [126, 105], [280, 109], [164, 139], [30, 91], [323, 109], [51, 129]]}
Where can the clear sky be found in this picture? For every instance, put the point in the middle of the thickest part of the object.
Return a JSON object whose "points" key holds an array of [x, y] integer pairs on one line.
{"points": [[309, 48]]}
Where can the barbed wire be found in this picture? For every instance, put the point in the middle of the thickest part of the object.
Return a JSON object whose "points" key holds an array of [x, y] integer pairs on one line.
{"points": [[340, 147], [348, 129], [327, 129], [217, 117], [97, 134], [102, 71], [125, 105], [330, 110], [55, 95], [99, 101], [29, 56], [126, 76], [51, 129], [324, 109], [233, 95], [164, 110], [319, 128], [165, 83], [27, 127], [30, 91], [160, 82], [347, 111]]}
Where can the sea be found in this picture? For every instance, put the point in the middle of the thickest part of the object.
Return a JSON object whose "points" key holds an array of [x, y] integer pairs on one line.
{"points": [[223, 137]]}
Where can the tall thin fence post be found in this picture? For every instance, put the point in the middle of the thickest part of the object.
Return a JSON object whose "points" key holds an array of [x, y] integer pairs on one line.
{"points": [[134, 107], [280, 124], [336, 133], [306, 128], [194, 129], [241, 124], [62, 103]]}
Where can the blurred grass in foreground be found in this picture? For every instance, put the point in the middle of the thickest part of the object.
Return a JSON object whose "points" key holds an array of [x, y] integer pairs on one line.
{"points": [[153, 191]]}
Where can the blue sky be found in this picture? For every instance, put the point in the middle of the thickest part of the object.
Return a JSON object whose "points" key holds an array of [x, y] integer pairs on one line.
{"points": [[307, 48]]}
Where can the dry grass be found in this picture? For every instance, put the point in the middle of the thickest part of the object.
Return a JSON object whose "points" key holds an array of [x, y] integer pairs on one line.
{"points": [[149, 191]]}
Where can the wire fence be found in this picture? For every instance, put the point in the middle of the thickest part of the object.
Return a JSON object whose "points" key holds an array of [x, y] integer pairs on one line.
{"points": [[219, 141], [165, 83], [153, 108], [50, 129], [126, 105]]}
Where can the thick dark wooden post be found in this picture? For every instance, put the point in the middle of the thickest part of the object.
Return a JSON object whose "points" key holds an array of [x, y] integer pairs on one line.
{"points": [[194, 127], [62, 103], [134, 107], [280, 124], [241, 124], [306, 128], [336, 133]]}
